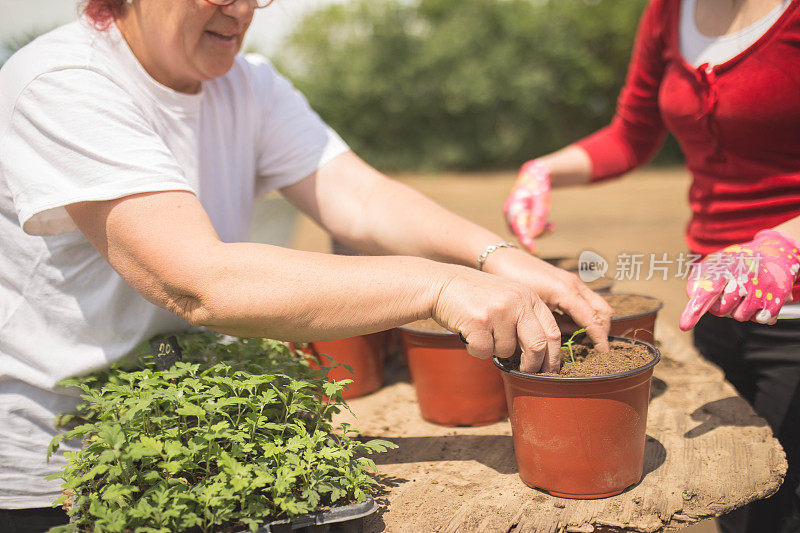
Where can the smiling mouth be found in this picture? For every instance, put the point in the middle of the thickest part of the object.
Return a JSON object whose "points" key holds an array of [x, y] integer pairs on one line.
{"points": [[222, 36]]}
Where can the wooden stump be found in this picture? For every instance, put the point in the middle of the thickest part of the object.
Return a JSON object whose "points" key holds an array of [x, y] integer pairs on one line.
{"points": [[707, 453]]}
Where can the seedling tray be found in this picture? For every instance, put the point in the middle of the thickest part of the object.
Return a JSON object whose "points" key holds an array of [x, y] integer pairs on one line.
{"points": [[343, 519]]}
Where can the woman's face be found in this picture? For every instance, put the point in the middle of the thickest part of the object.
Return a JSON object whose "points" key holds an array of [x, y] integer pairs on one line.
{"points": [[183, 42]]}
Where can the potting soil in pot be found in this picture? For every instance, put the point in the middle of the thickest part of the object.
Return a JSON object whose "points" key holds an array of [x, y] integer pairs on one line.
{"points": [[630, 304], [602, 284], [622, 357]]}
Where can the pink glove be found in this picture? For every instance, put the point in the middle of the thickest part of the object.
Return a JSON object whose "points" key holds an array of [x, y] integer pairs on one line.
{"points": [[749, 281], [527, 207]]}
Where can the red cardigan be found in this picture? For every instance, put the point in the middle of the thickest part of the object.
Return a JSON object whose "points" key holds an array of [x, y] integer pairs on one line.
{"points": [[738, 125]]}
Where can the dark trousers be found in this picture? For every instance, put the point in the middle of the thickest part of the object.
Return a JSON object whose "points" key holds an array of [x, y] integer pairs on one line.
{"points": [[763, 363], [31, 520]]}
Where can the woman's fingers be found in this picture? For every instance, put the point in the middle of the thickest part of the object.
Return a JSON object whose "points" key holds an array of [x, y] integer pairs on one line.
{"points": [[480, 342], [599, 323], [744, 311], [495, 316], [505, 338], [703, 293], [552, 360], [534, 346], [758, 306], [590, 311], [528, 205], [518, 217], [729, 299]]}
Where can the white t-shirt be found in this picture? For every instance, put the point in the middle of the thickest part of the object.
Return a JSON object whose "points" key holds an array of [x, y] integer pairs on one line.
{"points": [[81, 120]]}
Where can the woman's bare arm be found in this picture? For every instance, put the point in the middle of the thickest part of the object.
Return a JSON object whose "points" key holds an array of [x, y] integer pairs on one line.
{"points": [[164, 245], [371, 213]]}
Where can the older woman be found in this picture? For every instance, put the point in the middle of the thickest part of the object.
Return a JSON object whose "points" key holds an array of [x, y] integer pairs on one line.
{"points": [[133, 143]]}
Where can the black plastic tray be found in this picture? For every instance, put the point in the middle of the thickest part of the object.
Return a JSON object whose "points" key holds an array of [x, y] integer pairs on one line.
{"points": [[344, 519]]}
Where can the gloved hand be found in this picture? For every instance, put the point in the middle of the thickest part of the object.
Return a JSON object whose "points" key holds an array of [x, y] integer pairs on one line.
{"points": [[749, 281], [528, 205]]}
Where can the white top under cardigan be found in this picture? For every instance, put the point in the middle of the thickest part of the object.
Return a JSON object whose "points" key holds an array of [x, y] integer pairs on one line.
{"points": [[698, 48]]}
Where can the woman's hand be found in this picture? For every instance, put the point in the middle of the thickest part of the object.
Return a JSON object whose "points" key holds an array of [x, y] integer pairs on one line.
{"points": [[528, 205], [557, 288], [496, 315], [749, 281]]}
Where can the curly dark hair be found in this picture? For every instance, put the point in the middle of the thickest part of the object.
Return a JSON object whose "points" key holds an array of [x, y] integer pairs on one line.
{"points": [[103, 12]]}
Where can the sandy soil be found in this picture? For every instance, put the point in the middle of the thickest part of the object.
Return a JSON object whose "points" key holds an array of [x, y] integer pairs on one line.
{"points": [[645, 213]]}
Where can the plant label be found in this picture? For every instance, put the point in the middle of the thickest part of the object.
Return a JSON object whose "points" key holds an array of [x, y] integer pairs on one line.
{"points": [[166, 352]]}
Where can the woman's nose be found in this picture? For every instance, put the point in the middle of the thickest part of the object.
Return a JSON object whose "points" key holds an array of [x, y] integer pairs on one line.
{"points": [[240, 9]]}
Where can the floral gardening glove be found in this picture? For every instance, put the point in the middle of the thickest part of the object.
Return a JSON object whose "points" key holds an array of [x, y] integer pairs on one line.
{"points": [[528, 205], [749, 281]]}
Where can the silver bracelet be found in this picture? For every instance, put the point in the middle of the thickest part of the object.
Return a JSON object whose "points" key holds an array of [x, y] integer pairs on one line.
{"points": [[492, 248]]}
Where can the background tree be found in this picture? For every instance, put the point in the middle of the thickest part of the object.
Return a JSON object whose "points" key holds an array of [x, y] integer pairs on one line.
{"points": [[462, 84]]}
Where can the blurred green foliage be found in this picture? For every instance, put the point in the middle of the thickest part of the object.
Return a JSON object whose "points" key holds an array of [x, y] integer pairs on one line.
{"points": [[462, 84]]}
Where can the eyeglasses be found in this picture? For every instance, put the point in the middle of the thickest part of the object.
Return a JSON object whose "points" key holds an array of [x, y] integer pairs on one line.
{"points": [[259, 3]]}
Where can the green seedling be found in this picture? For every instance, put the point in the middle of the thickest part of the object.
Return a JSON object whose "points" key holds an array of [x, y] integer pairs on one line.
{"points": [[567, 347], [237, 434]]}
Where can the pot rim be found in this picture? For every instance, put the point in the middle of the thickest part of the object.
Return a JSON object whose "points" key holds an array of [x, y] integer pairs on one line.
{"points": [[605, 377], [638, 315]]}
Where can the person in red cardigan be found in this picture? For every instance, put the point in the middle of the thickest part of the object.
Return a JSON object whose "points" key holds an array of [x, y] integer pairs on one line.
{"points": [[724, 78]]}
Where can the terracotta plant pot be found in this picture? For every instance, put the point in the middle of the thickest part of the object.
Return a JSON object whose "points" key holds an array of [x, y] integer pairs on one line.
{"points": [[453, 388], [579, 437], [639, 326], [365, 354]]}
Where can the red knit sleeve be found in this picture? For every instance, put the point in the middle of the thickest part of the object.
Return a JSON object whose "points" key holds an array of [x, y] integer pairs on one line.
{"points": [[636, 131]]}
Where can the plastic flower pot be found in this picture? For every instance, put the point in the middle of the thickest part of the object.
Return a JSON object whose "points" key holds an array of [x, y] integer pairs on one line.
{"points": [[340, 518], [639, 326], [453, 388], [365, 354], [345, 518], [579, 437]]}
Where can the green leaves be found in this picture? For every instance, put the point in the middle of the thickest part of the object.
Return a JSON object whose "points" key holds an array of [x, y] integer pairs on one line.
{"points": [[467, 84], [146, 447], [239, 432], [189, 409]]}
